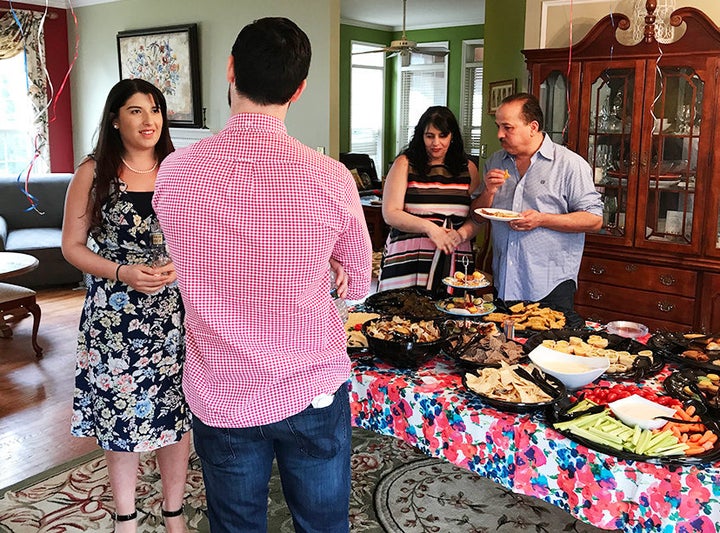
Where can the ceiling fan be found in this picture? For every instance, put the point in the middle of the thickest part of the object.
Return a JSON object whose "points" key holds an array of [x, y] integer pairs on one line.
{"points": [[405, 47]]}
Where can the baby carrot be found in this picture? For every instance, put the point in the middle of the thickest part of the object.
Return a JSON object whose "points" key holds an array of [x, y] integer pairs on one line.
{"points": [[694, 450]]}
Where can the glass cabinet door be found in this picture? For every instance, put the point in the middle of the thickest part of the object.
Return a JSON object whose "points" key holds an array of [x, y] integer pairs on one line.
{"points": [[669, 160], [611, 144], [553, 100]]}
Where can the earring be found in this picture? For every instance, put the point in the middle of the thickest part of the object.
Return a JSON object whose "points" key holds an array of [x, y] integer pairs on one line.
{"points": [[116, 126]]}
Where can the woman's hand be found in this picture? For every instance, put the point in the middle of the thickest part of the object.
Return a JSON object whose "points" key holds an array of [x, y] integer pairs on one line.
{"points": [[446, 240], [147, 279]]}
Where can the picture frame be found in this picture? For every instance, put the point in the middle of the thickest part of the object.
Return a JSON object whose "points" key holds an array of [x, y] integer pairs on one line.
{"points": [[498, 91], [168, 58]]}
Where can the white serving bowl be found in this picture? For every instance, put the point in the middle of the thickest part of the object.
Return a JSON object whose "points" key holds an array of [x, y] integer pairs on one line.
{"points": [[630, 330], [638, 411], [573, 370]]}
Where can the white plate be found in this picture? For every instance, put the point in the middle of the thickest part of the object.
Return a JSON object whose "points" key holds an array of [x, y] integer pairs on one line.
{"points": [[451, 281], [501, 215], [484, 309], [638, 411]]}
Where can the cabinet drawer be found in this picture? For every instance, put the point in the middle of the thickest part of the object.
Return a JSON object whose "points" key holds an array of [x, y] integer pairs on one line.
{"points": [[639, 276], [603, 316], [661, 306]]}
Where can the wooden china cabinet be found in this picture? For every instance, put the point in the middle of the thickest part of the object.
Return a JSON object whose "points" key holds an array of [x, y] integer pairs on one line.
{"points": [[645, 118]]}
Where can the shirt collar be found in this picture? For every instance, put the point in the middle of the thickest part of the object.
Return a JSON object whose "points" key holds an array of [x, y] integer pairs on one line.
{"points": [[547, 150], [255, 122]]}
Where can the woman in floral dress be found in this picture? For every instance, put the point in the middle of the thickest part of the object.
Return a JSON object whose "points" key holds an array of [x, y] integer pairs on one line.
{"points": [[128, 376]]}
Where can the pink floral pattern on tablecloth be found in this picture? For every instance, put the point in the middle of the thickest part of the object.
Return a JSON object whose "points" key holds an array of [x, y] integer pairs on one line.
{"points": [[431, 409]]}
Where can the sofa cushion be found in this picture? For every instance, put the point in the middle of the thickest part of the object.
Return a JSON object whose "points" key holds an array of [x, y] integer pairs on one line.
{"points": [[49, 192], [33, 239]]}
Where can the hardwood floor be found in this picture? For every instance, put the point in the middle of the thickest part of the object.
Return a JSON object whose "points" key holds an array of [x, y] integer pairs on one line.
{"points": [[36, 395]]}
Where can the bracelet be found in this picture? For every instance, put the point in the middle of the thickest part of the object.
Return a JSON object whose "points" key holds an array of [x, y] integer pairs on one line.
{"points": [[117, 271]]}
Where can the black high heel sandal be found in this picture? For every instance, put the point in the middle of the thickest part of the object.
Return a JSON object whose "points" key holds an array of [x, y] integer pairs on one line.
{"points": [[125, 517]]}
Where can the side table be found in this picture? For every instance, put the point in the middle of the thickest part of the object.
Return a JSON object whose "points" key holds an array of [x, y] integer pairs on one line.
{"points": [[14, 297]]}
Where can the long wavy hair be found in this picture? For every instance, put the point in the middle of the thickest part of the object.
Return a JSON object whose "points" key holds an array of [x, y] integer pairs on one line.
{"points": [[443, 119], [109, 148]]}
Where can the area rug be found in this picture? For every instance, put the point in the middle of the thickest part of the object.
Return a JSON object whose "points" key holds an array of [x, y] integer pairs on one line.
{"points": [[395, 488]]}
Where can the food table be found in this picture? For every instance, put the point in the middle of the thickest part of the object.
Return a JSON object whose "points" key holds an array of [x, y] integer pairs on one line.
{"points": [[431, 409]]}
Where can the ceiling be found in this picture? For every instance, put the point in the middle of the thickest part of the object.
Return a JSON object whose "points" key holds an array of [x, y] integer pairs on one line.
{"points": [[381, 14], [387, 14]]}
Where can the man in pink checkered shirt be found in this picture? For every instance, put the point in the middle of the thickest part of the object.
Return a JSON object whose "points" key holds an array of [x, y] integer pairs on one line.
{"points": [[253, 220]]}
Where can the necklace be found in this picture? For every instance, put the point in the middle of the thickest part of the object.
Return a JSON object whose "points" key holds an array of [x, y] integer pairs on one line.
{"points": [[148, 171]]}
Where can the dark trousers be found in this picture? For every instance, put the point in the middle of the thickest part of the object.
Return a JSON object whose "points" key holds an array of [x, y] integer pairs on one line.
{"points": [[562, 298]]}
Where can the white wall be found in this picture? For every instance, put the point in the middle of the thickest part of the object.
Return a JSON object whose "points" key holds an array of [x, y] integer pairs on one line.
{"points": [[313, 119]]}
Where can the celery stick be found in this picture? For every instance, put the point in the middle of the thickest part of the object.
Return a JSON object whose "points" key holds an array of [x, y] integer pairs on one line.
{"points": [[677, 449], [594, 437]]}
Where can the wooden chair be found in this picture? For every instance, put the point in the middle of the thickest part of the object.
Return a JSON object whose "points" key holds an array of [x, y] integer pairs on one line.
{"points": [[13, 297]]}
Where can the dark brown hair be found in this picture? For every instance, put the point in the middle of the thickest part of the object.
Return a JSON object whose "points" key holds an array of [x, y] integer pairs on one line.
{"points": [[443, 119], [109, 148]]}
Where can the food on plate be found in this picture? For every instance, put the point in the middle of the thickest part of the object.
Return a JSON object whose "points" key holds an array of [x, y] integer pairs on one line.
{"points": [[353, 326], [595, 346], [459, 279], [468, 303], [499, 213], [504, 384], [530, 316], [398, 328], [403, 302], [605, 395], [493, 349], [697, 355], [672, 439], [463, 331]]}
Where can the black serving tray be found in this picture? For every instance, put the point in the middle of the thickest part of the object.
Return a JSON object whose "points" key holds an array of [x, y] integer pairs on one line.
{"points": [[410, 302], [710, 457], [673, 344], [520, 407], [615, 342]]}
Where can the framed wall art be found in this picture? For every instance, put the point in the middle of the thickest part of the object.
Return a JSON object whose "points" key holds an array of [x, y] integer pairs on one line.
{"points": [[168, 58], [499, 90]]}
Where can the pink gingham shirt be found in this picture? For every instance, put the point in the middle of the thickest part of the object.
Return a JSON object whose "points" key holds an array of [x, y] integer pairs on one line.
{"points": [[251, 217]]}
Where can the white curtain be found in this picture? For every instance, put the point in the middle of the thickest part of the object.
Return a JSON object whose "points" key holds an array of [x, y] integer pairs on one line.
{"points": [[14, 40]]}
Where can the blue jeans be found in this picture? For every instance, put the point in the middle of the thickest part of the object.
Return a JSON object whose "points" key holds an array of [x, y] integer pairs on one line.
{"points": [[312, 449]]}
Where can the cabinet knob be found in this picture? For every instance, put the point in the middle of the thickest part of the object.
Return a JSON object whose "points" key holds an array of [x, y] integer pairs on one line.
{"points": [[667, 280], [594, 294], [665, 307], [631, 267], [597, 270]]}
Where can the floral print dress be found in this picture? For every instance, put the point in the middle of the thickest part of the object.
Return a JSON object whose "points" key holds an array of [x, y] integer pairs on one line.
{"points": [[128, 374]]}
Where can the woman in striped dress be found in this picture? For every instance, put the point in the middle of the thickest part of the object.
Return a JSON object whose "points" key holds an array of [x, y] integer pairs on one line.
{"points": [[426, 201]]}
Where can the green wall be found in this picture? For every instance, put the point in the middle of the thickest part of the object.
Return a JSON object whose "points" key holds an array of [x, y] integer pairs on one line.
{"points": [[504, 40], [454, 36]]}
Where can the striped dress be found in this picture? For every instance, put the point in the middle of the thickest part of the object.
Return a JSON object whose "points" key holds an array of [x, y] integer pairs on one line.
{"points": [[407, 257]]}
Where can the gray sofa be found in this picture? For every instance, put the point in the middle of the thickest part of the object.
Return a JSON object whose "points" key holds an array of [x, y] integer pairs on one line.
{"points": [[36, 234]]}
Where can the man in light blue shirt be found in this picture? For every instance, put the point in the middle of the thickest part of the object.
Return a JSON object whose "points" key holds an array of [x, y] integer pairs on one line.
{"points": [[537, 257]]}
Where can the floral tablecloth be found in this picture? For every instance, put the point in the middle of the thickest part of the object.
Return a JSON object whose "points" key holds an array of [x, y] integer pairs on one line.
{"points": [[431, 409]]}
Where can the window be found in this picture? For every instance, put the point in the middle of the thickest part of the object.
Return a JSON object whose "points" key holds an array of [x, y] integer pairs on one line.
{"points": [[17, 131], [471, 110], [423, 83], [367, 102]]}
